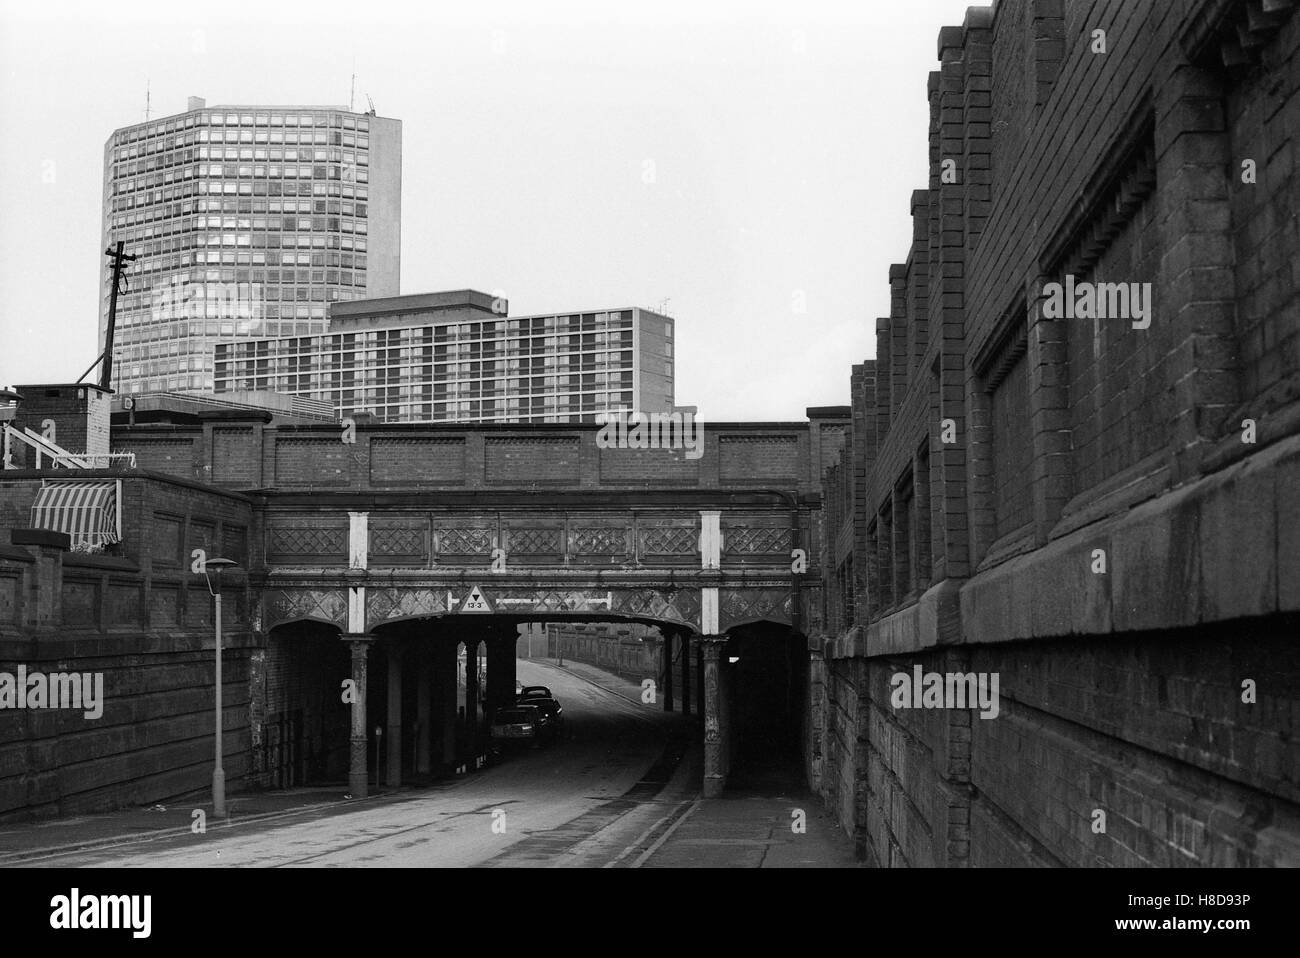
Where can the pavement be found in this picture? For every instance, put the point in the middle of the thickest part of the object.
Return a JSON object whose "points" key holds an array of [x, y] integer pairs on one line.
{"points": [[765, 819], [623, 793], [24, 842], [781, 828]]}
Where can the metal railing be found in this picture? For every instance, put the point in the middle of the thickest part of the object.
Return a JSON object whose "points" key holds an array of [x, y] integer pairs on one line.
{"points": [[58, 456], [302, 405], [43, 448], [98, 460]]}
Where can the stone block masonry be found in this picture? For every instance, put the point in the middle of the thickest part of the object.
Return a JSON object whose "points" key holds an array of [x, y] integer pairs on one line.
{"points": [[1097, 510]]}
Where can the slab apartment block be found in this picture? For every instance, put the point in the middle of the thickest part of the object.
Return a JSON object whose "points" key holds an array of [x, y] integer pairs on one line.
{"points": [[457, 356]]}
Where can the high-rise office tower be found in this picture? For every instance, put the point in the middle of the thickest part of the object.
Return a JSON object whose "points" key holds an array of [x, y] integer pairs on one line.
{"points": [[247, 221]]}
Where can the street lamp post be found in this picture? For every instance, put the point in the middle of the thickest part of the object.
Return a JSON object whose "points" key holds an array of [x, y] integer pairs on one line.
{"points": [[218, 772]]}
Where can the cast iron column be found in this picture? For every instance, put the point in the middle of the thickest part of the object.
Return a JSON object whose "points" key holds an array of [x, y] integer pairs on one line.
{"points": [[668, 668], [423, 706], [686, 672], [697, 644], [358, 760], [471, 696], [715, 724], [444, 676], [501, 669], [394, 736]]}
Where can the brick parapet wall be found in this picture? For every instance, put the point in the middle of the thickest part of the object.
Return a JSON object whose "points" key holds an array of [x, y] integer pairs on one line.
{"points": [[245, 456]]}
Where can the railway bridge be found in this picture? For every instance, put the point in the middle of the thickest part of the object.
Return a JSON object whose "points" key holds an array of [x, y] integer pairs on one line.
{"points": [[384, 571]]}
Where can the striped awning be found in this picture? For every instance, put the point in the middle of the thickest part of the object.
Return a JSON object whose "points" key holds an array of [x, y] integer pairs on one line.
{"points": [[86, 509]]}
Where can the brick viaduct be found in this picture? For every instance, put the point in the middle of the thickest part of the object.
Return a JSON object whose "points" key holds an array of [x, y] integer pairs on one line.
{"points": [[358, 560]]}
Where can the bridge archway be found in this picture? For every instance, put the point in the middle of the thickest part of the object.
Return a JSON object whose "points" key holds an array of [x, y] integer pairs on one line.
{"points": [[765, 665], [300, 719], [427, 696], [408, 631], [435, 680]]}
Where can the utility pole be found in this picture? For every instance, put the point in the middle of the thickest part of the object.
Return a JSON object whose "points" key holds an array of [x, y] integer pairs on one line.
{"points": [[106, 360]]}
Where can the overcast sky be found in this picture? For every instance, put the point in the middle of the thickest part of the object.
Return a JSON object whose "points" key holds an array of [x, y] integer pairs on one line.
{"points": [[750, 163]]}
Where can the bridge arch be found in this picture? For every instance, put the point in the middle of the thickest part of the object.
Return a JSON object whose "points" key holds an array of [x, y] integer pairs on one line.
{"points": [[317, 603], [298, 714]]}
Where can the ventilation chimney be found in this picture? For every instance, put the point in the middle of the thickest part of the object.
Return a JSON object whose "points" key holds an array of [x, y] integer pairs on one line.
{"points": [[196, 103]]}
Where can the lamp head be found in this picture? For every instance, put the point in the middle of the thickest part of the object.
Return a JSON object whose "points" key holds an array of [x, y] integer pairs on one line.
{"points": [[218, 565]]}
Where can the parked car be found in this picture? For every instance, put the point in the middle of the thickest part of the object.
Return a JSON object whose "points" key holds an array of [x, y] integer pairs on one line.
{"points": [[552, 712], [523, 723], [533, 692]]}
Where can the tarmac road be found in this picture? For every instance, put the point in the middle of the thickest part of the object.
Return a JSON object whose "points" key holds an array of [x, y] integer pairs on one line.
{"points": [[562, 801]]}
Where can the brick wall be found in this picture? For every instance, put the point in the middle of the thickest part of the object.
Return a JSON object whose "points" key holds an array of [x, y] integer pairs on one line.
{"points": [[252, 455], [416, 461], [1261, 117], [163, 450], [545, 460], [660, 466], [1149, 728], [321, 461], [844, 773], [79, 413], [235, 457], [142, 620], [1121, 691]]}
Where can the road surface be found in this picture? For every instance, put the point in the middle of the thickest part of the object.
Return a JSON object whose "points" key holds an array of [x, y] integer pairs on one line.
{"points": [[574, 802]]}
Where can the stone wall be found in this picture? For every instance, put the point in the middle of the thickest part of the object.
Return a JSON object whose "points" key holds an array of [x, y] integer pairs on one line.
{"points": [[630, 650]]}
